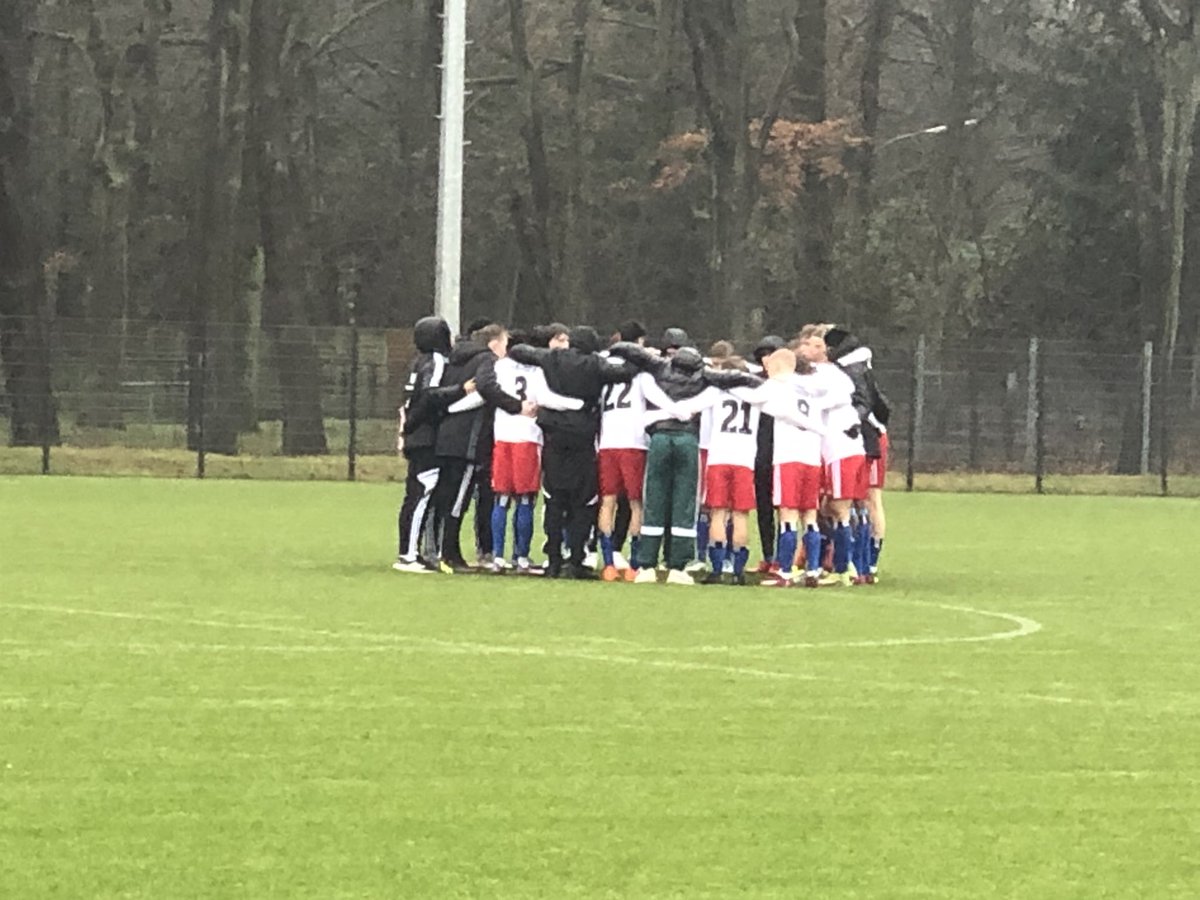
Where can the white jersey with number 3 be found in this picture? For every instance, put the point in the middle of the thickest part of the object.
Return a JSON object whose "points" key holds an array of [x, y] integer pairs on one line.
{"points": [[524, 383]]}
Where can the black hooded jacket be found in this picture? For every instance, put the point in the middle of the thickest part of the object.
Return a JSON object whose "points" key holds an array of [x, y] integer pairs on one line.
{"points": [[427, 394], [873, 407], [468, 435], [578, 372], [681, 377], [766, 423]]}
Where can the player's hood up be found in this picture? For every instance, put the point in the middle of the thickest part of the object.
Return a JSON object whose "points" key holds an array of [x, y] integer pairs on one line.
{"points": [[674, 338], [432, 335], [585, 339], [846, 348], [687, 360], [767, 346]]}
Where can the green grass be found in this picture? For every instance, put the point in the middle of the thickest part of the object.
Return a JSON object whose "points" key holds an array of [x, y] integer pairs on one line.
{"points": [[219, 689]]}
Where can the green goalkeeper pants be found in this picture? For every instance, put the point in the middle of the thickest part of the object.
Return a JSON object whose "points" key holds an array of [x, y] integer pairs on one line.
{"points": [[672, 480]]}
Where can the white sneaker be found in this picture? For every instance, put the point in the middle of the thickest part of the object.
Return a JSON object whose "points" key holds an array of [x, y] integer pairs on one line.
{"points": [[412, 568], [680, 578], [646, 576], [696, 566], [496, 567], [589, 561], [727, 568], [620, 561]]}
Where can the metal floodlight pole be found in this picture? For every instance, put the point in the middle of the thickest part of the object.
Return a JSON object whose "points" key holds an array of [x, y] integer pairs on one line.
{"points": [[450, 172]]}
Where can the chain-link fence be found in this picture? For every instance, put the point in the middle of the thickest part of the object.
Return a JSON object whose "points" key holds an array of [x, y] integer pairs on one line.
{"points": [[159, 398]]}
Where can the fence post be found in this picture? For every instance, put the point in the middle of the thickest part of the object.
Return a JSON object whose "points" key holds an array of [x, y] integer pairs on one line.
{"points": [[1164, 415], [46, 405], [1147, 397], [1039, 422], [352, 444], [915, 421], [1031, 407], [201, 404]]}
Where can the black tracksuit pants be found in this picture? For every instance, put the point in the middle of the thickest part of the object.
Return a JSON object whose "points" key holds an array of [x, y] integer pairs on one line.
{"points": [[570, 482], [416, 512], [453, 493]]}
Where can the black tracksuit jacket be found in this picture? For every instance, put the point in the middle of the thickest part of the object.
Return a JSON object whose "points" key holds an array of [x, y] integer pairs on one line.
{"points": [[428, 393]]}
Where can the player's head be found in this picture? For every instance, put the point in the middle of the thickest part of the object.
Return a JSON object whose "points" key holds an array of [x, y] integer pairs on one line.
{"points": [[494, 337], [432, 335], [631, 332], [558, 336], [780, 364], [585, 339], [839, 342], [721, 350], [687, 360], [809, 344], [730, 363], [477, 324], [672, 340], [518, 336], [767, 346]]}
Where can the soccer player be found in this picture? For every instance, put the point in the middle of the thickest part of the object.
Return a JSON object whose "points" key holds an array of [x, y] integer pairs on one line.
{"points": [[796, 491], [842, 451], [622, 469], [633, 332], [464, 440], [855, 359], [673, 457], [569, 460], [425, 402], [764, 463]]}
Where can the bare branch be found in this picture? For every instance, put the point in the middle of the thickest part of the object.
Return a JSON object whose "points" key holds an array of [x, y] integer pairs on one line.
{"points": [[625, 23], [1160, 18], [349, 22]]}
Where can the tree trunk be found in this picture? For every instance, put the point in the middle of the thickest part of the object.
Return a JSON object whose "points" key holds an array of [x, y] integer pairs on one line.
{"points": [[572, 261], [533, 134], [24, 320], [716, 32], [281, 146], [215, 298]]}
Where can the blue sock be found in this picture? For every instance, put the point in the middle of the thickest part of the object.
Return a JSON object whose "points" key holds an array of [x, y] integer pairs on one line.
{"points": [[862, 545], [716, 555], [876, 549], [786, 552], [606, 548], [812, 549], [633, 551], [740, 558], [843, 547], [523, 526], [499, 526], [702, 536]]}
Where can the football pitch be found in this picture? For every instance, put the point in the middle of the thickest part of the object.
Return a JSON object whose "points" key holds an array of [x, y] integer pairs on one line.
{"points": [[220, 689]]}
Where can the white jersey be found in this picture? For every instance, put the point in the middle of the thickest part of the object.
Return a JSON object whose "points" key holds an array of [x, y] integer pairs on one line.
{"points": [[623, 416], [524, 383], [797, 405], [839, 415], [705, 438], [733, 437]]}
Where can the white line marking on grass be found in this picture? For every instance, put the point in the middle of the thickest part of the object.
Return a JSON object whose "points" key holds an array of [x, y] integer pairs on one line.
{"points": [[1024, 628]]}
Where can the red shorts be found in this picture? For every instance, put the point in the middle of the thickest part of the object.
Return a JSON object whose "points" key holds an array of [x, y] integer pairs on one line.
{"points": [[622, 472], [516, 468], [797, 486], [877, 467], [729, 487], [846, 479]]}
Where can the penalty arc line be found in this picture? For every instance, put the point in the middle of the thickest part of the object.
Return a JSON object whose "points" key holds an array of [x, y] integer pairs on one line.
{"points": [[482, 649]]}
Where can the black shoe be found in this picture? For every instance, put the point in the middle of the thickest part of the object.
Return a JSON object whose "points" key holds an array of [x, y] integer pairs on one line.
{"points": [[713, 578], [458, 567], [554, 570], [740, 580], [581, 573]]}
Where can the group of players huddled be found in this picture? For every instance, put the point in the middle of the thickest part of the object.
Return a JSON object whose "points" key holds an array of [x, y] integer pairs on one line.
{"points": [[659, 445]]}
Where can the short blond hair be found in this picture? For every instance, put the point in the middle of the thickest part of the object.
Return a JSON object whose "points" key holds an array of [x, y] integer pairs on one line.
{"points": [[814, 330]]}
